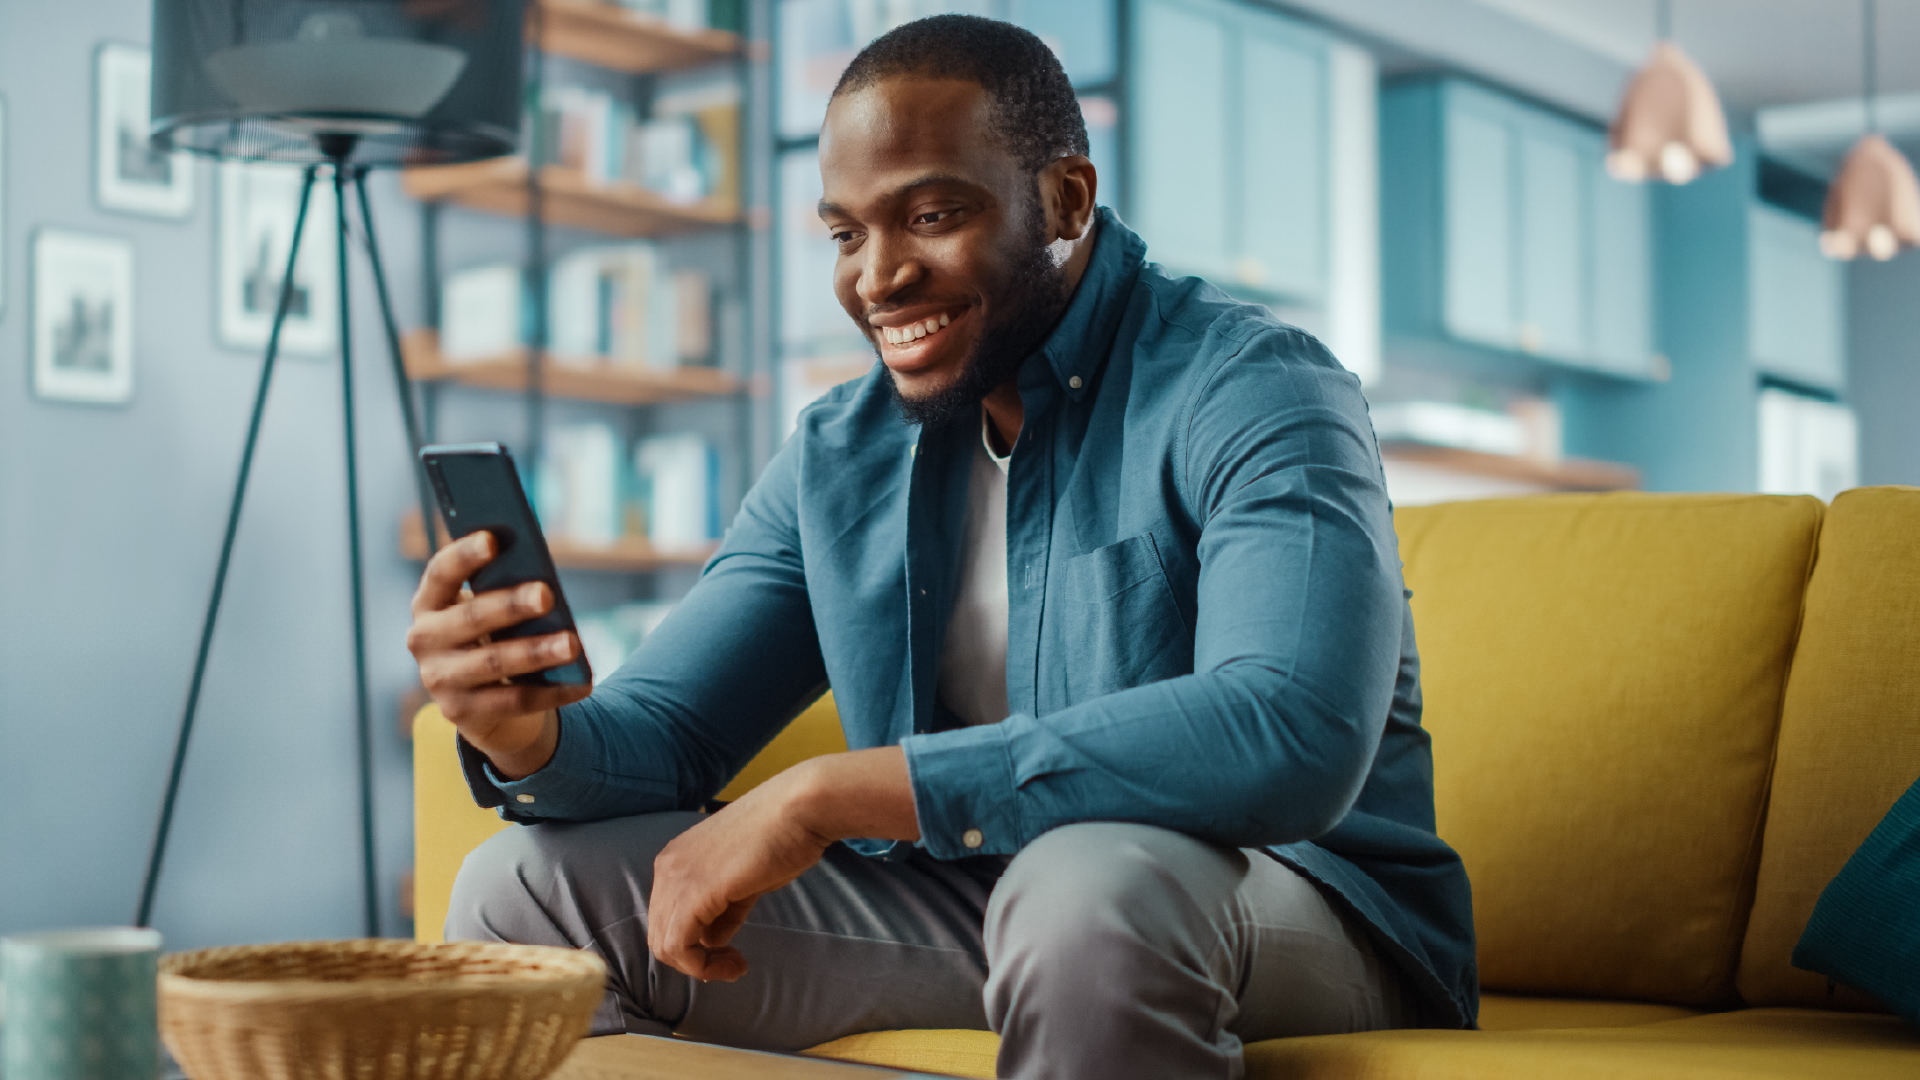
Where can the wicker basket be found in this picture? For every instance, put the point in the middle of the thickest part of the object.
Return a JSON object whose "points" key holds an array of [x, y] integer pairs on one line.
{"points": [[376, 1010]]}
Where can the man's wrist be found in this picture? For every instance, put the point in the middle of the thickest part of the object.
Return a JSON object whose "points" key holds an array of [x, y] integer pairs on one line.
{"points": [[862, 793], [521, 746]]}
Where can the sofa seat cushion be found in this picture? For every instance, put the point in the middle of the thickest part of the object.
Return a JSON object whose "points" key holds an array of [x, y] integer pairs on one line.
{"points": [[1603, 676], [971, 1053], [1757, 1043], [1513, 1012], [1849, 735]]}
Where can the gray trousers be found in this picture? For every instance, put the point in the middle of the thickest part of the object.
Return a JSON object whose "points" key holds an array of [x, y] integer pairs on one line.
{"points": [[1100, 950]]}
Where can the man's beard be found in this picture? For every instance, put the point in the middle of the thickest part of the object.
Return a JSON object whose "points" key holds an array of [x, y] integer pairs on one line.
{"points": [[1036, 292]]}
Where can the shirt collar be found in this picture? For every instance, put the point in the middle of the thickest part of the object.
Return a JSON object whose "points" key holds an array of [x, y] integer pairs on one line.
{"points": [[1078, 346]]}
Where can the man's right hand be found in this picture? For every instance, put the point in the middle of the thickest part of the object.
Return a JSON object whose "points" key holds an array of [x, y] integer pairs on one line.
{"points": [[515, 726]]}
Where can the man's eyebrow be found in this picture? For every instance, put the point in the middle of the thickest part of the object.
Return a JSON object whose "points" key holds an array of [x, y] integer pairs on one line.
{"points": [[929, 180]]}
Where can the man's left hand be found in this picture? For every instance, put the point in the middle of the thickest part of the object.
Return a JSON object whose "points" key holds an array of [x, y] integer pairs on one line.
{"points": [[705, 882]]}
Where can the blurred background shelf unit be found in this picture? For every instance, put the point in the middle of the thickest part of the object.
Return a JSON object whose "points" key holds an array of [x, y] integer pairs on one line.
{"points": [[606, 296], [1504, 234], [1753, 318]]}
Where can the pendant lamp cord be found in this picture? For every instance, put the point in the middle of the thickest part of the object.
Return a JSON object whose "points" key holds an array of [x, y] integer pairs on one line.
{"points": [[1869, 72], [1663, 18]]}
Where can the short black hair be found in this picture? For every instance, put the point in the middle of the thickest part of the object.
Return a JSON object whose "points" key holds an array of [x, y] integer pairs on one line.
{"points": [[1034, 106]]}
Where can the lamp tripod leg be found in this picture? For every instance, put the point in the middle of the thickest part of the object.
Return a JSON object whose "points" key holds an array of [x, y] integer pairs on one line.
{"points": [[363, 730], [401, 383], [158, 855]]}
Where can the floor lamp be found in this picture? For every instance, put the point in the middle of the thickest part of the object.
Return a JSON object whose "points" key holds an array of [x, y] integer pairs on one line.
{"points": [[341, 88]]}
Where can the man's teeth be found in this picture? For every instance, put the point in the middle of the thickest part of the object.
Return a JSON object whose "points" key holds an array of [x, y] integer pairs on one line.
{"points": [[900, 335]]}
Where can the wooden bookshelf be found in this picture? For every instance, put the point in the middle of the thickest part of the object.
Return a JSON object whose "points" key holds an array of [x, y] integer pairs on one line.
{"points": [[608, 36], [631, 556], [578, 381], [1571, 474], [567, 197]]}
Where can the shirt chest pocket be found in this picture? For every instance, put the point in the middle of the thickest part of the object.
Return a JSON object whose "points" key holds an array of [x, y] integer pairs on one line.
{"points": [[1125, 628]]}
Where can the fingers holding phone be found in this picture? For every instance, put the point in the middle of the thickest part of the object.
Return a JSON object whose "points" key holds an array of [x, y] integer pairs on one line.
{"points": [[469, 672]]}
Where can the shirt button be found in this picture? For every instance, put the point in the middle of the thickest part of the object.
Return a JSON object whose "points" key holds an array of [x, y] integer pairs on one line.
{"points": [[1074, 382], [972, 838], [523, 798]]}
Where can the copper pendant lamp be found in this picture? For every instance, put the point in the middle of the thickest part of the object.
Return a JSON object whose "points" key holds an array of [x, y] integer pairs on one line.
{"points": [[1874, 202], [1670, 125]]}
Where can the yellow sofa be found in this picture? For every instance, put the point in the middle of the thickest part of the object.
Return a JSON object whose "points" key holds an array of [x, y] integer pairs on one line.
{"points": [[1661, 723]]}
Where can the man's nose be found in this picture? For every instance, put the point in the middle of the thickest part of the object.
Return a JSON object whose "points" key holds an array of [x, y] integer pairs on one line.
{"points": [[889, 267]]}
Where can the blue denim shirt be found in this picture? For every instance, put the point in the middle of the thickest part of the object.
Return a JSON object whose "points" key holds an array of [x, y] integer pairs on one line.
{"points": [[1207, 632]]}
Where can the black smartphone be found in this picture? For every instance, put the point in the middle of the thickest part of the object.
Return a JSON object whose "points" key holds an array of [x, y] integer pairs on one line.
{"points": [[478, 489]]}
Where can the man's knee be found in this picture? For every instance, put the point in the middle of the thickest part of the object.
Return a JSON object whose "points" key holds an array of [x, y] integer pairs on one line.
{"points": [[1101, 893], [523, 882]]}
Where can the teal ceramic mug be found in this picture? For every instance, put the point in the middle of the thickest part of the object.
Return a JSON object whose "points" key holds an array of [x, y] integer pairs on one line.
{"points": [[80, 1005]]}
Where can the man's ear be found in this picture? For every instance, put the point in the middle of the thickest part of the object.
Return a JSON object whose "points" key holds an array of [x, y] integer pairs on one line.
{"points": [[1070, 185]]}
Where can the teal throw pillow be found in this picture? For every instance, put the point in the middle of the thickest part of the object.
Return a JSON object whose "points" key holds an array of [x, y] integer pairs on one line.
{"points": [[1865, 931]]}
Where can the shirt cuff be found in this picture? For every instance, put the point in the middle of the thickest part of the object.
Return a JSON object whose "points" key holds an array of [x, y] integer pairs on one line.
{"points": [[544, 794], [964, 793]]}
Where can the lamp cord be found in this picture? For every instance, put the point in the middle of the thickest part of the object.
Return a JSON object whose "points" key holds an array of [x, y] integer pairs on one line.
{"points": [[1869, 73]]}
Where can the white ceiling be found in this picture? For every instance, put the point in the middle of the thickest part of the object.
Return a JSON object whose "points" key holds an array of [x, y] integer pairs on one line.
{"points": [[1756, 52]]}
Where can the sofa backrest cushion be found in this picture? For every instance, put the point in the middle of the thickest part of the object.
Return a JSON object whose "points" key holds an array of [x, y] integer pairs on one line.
{"points": [[1849, 734], [1603, 676]]}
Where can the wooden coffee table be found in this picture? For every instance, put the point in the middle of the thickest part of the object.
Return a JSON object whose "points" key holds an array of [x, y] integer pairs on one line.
{"points": [[644, 1057]]}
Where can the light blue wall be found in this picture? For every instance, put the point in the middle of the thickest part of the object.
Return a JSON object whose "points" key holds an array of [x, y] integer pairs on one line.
{"points": [[1883, 370], [110, 522]]}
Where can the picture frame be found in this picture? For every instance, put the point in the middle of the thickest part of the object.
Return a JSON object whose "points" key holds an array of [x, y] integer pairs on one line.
{"points": [[258, 205], [82, 317], [128, 174]]}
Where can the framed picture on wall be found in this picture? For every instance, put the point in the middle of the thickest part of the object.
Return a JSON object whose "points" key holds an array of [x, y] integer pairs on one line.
{"points": [[128, 174], [258, 205], [82, 317]]}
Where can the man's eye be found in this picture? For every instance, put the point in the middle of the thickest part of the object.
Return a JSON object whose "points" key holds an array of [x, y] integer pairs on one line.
{"points": [[843, 237], [932, 217]]}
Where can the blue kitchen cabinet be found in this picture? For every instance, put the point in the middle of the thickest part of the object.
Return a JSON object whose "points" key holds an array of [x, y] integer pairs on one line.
{"points": [[1553, 242], [1229, 147], [1477, 230], [1620, 315], [1796, 312], [1500, 230]]}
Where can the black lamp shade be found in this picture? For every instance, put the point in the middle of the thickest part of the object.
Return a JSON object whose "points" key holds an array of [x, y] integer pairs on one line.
{"points": [[393, 82]]}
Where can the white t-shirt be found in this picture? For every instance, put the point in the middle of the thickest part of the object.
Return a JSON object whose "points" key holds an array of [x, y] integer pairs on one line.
{"points": [[973, 660]]}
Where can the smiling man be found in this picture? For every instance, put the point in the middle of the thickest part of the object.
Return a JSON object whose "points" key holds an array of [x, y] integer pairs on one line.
{"points": [[1113, 619]]}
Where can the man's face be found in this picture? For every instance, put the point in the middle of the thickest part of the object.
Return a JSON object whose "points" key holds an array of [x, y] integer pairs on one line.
{"points": [[943, 244]]}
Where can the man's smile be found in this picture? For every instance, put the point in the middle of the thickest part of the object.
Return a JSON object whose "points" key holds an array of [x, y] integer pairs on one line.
{"points": [[912, 344]]}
